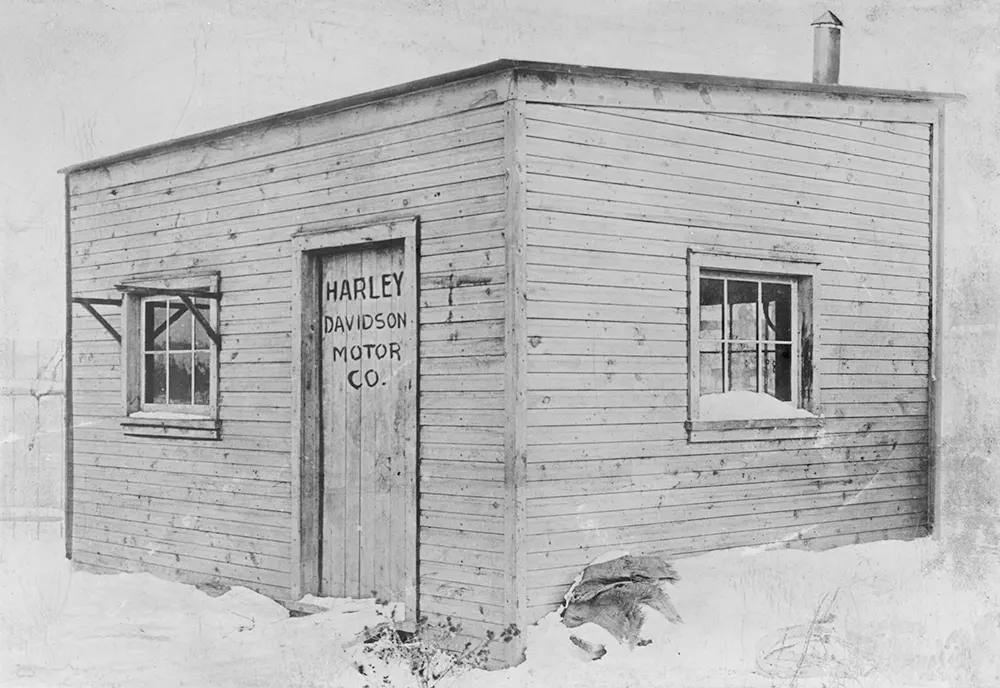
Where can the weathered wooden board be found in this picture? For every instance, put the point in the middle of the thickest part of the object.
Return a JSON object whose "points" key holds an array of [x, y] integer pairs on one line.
{"points": [[616, 197]]}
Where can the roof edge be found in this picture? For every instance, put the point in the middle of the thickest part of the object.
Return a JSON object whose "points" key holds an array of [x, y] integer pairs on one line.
{"points": [[496, 67]]}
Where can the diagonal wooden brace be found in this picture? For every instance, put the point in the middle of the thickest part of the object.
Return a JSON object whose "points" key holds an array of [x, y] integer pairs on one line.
{"points": [[200, 317], [88, 304]]}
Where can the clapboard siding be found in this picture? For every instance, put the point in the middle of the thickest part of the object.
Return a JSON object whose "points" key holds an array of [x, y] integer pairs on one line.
{"points": [[615, 199], [197, 509]]}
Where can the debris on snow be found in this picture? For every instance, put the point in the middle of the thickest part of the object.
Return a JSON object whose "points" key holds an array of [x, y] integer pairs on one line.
{"points": [[878, 615], [611, 593]]}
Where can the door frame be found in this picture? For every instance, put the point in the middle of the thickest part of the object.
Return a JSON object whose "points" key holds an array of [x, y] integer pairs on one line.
{"points": [[308, 249]]}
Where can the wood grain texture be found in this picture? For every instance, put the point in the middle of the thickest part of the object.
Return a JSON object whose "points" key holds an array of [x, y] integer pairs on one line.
{"points": [[615, 199]]}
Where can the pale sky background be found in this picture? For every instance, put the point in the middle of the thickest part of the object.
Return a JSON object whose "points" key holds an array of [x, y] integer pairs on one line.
{"points": [[86, 78]]}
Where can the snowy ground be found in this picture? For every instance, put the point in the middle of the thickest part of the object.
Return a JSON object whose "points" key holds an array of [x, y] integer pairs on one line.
{"points": [[877, 615]]}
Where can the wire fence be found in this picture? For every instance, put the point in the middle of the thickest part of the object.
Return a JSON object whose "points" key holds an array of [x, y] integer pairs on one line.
{"points": [[31, 438]]}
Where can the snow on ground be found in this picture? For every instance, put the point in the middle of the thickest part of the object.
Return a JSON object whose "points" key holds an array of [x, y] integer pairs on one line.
{"points": [[880, 615]]}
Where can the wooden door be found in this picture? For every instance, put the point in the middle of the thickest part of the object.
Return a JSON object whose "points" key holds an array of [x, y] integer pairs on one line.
{"points": [[368, 360]]}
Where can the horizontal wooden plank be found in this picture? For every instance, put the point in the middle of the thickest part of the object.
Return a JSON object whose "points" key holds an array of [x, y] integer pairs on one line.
{"points": [[743, 130], [562, 418], [594, 499], [462, 383], [442, 418], [745, 467], [255, 204], [877, 367], [637, 152], [461, 591], [463, 365], [730, 453], [461, 400], [98, 431], [538, 272], [461, 505], [460, 470], [603, 399], [573, 381], [616, 296], [140, 503], [773, 529], [451, 200], [347, 161], [272, 137], [885, 134], [566, 329], [492, 346], [634, 227], [95, 542], [698, 487], [276, 540], [920, 132], [616, 172], [465, 558], [809, 133], [647, 131], [640, 315], [597, 364], [455, 332], [727, 518], [484, 578], [108, 563], [607, 433], [186, 467], [130, 475], [476, 523], [280, 504], [455, 451], [464, 487], [229, 549], [201, 452], [659, 202], [465, 540], [887, 351]]}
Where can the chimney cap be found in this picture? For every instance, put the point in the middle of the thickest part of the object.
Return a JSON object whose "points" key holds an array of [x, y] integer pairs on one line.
{"points": [[828, 18]]}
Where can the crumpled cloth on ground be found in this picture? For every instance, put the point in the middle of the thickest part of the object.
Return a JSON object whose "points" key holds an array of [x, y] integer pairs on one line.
{"points": [[610, 594]]}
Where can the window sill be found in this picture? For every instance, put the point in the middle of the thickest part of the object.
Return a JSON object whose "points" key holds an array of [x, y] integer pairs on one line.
{"points": [[172, 426], [753, 429]]}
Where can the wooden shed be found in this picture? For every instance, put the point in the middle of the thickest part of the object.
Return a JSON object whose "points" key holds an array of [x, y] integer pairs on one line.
{"points": [[445, 343]]}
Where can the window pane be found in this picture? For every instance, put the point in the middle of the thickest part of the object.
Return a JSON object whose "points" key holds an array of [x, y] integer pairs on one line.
{"points": [[743, 367], [202, 379], [776, 312], [180, 326], [201, 340], [711, 308], [742, 310], [710, 371], [156, 379], [156, 332], [180, 378], [777, 374]]}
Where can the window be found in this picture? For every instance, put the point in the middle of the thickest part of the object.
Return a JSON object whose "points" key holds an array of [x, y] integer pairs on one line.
{"points": [[170, 356], [176, 356], [752, 362]]}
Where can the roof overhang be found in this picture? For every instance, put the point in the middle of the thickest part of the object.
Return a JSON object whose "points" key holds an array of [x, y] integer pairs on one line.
{"points": [[552, 70]]}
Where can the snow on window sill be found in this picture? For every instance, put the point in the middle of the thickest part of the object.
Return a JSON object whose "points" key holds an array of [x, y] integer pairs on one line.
{"points": [[743, 416], [166, 424]]}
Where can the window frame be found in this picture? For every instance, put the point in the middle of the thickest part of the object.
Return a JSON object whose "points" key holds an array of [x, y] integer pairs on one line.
{"points": [[806, 388], [160, 420]]}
